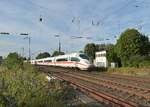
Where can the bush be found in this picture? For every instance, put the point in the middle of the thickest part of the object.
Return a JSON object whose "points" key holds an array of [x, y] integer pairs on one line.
{"points": [[144, 64], [139, 61], [29, 88], [13, 61]]}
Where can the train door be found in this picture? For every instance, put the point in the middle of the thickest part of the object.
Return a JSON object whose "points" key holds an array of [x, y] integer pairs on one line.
{"points": [[54, 61]]}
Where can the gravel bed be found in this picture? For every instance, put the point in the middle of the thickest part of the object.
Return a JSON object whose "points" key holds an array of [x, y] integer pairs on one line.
{"points": [[123, 95], [114, 92]]}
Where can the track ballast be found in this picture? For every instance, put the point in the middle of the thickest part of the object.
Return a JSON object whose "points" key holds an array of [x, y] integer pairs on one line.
{"points": [[114, 90]]}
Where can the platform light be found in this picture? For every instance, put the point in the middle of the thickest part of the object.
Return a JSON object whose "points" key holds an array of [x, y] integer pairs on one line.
{"points": [[59, 43], [76, 37], [24, 34], [4, 33], [107, 39]]}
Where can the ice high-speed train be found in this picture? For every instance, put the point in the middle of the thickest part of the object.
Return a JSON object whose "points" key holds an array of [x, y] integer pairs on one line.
{"points": [[74, 60]]}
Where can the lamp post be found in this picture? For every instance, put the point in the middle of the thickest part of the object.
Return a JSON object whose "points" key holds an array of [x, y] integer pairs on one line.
{"points": [[59, 43], [22, 49], [29, 42]]}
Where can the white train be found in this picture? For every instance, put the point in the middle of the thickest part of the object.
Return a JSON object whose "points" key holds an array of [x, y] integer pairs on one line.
{"points": [[74, 60]]}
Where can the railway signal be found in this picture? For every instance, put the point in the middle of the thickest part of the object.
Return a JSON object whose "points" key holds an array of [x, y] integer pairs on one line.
{"points": [[41, 19]]}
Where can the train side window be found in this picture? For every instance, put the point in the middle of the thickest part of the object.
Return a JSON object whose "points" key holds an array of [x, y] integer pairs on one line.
{"points": [[40, 61], [75, 59], [48, 61], [62, 59]]}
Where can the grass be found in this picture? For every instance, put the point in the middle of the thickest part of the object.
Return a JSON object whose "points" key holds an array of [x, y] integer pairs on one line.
{"points": [[143, 72]]}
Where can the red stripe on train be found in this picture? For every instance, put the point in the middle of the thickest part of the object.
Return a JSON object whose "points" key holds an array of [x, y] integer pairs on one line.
{"points": [[63, 62]]}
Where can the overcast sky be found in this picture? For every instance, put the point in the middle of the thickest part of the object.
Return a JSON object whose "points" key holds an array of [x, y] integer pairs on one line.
{"points": [[98, 19]]}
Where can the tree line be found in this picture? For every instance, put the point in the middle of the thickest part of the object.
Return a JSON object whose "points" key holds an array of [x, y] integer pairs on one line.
{"points": [[131, 50]]}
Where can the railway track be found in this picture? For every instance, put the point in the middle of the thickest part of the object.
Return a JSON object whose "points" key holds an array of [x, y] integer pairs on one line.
{"points": [[130, 80], [125, 77], [105, 90], [100, 96], [115, 85]]}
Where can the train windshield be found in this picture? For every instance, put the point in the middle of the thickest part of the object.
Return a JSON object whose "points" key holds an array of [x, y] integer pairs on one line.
{"points": [[84, 57]]}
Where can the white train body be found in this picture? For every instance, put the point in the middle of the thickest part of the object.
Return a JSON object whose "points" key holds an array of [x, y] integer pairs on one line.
{"points": [[74, 60]]}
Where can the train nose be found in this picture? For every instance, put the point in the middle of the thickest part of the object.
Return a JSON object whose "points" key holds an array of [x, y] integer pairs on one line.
{"points": [[91, 67]]}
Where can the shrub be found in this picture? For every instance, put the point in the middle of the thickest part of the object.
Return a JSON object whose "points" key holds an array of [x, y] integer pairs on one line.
{"points": [[13, 61], [139, 61], [145, 63], [29, 88]]}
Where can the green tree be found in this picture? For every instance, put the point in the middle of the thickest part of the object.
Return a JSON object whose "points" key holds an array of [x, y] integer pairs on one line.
{"points": [[112, 55], [43, 55], [13, 61], [90, 50], [145, 45], [131, 43], [101, 47], [56, 53]]}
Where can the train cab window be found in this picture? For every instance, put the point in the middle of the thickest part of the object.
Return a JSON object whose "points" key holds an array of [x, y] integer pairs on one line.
{"points": [[48, 61], [75, 59], [84, 56], [62, 59]]}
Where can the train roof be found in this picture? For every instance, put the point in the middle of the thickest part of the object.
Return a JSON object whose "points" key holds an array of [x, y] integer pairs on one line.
{"points": [[71, 54], [66, 55]]}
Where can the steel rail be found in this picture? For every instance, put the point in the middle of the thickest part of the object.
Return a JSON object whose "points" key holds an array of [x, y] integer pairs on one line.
{"points": [[114, 87], [102, 97], [135, 88], [93, 92]]}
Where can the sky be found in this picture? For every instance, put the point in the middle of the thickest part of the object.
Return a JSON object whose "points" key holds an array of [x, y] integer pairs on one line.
{"points": [[97, 21]]}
